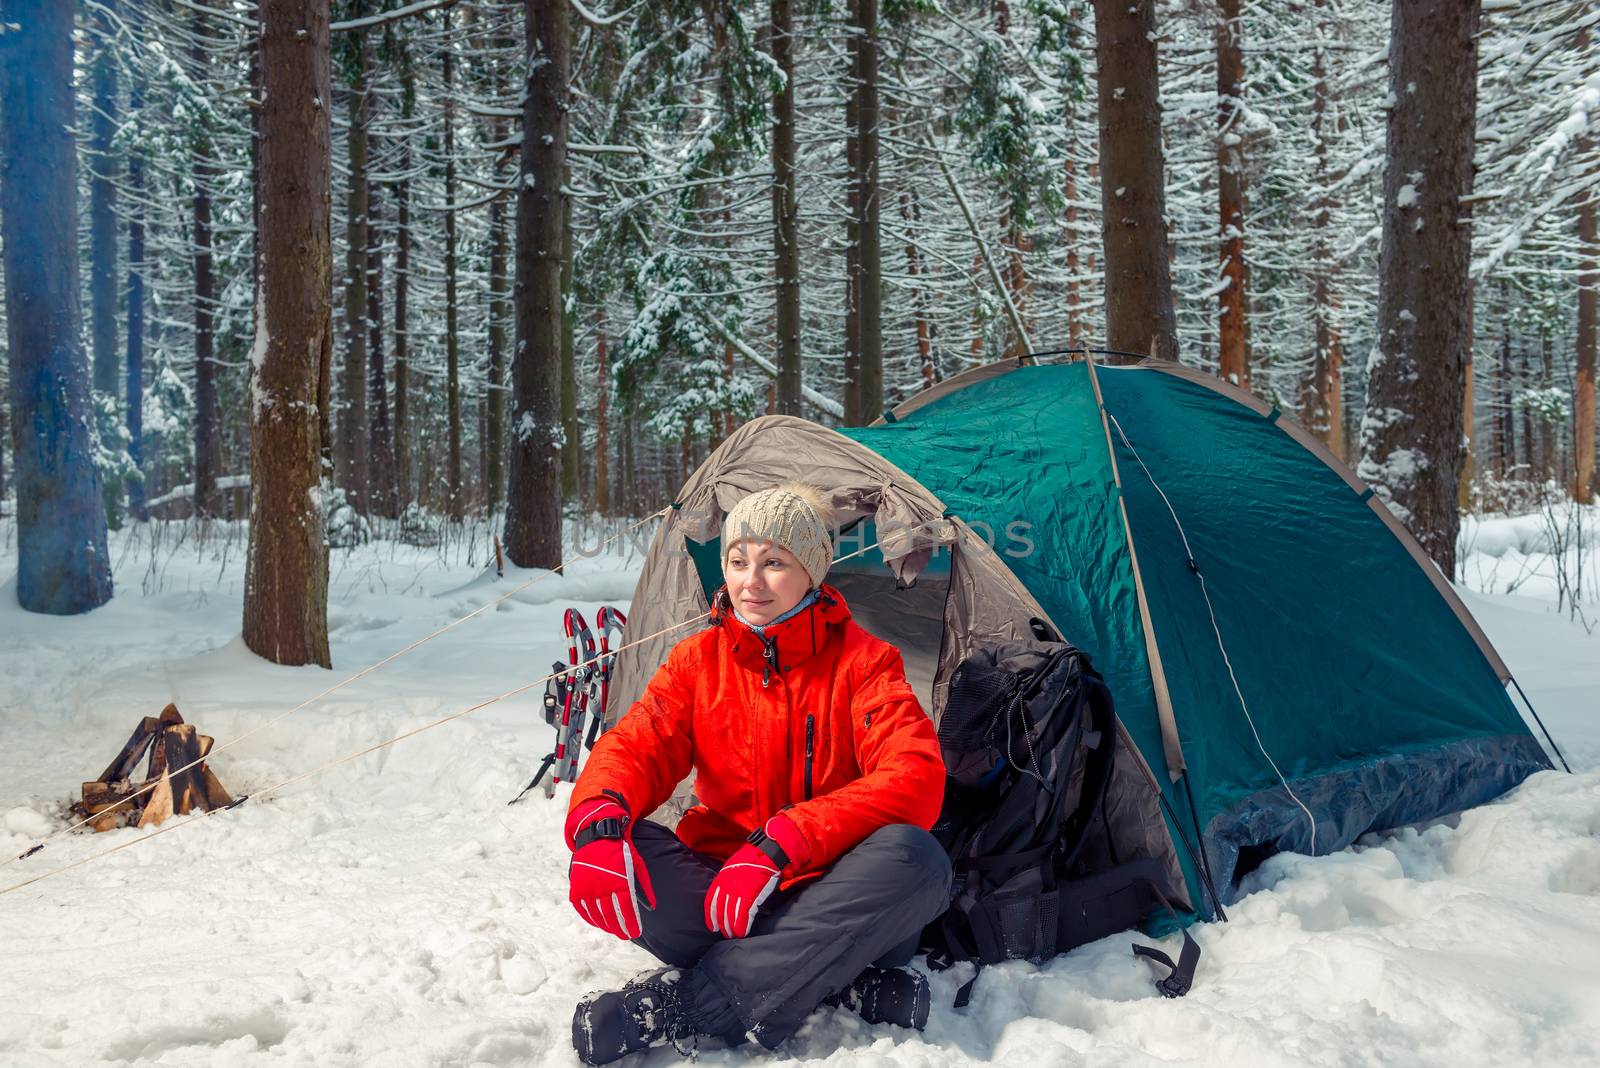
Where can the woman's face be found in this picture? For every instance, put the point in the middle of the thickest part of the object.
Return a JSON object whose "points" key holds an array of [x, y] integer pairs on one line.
{"points": [[764, 580]]}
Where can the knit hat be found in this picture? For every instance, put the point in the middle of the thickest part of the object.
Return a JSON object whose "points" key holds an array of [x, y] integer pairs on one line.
{"points": [[792, 516]]}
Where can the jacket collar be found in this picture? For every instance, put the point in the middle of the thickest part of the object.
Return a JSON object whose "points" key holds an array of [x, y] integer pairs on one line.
{"points": [[784, 645]]}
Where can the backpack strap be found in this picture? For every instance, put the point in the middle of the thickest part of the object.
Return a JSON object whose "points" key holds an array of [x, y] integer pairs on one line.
{"points": [[1181, 978], [1021, 859], [1181, 974], [964, 995]]}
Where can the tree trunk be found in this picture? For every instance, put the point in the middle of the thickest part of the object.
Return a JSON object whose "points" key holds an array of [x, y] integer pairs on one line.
{"points": [[1325, 405], [630, 471], [1232, 329], [1073, 237], [1545, 436], [1504, 389], [1530, 443], [602, 467], [402, 291], [1411, 435], [785, 213], [353, 429], [62, 563], [102, 205], [1469, 436], [919, 292], [133, 402], [571, 436], [286, 578], [1138, 278], [868, 203], [452, 340], [207, 432], [383, 497], [533, 513], [499, 315], [1583, 407], [852, 227], [1018, 244]]}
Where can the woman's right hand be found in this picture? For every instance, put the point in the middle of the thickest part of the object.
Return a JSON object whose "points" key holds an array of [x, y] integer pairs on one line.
{"points": [[606, 871]]}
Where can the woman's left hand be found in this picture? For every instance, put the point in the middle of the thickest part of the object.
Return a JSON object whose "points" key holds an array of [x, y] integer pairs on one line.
{"points": [[750, 876]]}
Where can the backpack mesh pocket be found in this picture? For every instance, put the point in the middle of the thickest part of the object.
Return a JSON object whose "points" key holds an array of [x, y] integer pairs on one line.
{"points": [[1019, 921]]}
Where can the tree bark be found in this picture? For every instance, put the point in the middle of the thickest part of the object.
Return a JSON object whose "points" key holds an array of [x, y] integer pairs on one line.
{"points": [[62, 564], [207, 433], [571, 435], [1505, 439], [286, 577], [911, 216], [1324, 406], [785, 213], [1138, 278], [452, 339], [1583, 432], [1411, 434], [1583, 407], [102, 205], [353, 429], [533, 512], [383, 496], [868, 204], [1073, 238], [851, 401], [602, 432], [1232, 326], [133, 401], [402, 291], [499, 315]]}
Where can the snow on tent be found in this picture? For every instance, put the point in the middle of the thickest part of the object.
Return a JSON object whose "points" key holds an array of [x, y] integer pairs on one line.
{"points": [[1291, 668]]}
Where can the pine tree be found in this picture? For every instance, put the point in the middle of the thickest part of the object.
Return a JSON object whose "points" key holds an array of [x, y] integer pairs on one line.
{"points": [[1412, 430], [1139, 313], [533, 513], [63, 566], [286, 576]]}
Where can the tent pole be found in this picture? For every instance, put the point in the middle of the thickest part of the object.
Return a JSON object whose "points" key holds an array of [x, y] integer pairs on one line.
{"points": [[1540, 722], [1203, 864]]}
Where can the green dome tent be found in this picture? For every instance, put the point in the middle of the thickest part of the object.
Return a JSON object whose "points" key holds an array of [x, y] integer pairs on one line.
{"points": [[1291, 668]]}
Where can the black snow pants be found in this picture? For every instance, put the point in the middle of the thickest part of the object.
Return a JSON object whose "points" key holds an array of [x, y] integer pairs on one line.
{"points": [[807, 943]]}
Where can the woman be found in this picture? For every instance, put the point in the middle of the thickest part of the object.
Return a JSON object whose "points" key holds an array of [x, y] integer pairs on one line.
{"points": [[806, 871]]}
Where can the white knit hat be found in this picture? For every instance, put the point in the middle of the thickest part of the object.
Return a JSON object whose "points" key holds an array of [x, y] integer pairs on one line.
{"points": [[792, 516]]}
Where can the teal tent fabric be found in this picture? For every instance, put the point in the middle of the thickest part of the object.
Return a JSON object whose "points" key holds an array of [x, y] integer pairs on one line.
{"points": [[1357, 678]]}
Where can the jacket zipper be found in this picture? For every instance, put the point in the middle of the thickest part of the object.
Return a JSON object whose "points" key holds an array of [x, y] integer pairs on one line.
{"points": [[811, 724], [770, 654]]}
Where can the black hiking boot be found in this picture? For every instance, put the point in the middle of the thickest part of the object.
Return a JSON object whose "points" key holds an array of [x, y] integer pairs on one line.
{"points": [[651, 1010], [887, 995]]}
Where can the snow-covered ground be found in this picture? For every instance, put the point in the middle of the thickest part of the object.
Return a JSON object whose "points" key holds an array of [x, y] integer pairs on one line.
{"points": [[394, 911]]}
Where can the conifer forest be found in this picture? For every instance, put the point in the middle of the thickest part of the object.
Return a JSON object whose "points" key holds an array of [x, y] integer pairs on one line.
{"points": [[373, 268]]}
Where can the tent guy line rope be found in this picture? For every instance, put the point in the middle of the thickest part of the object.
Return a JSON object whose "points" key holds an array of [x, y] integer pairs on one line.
{"points": [[363, 673], [174, 823], [1216, 630]]}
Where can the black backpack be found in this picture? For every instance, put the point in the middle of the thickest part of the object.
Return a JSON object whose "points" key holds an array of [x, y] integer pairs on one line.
{"points": [[1029, 737]]}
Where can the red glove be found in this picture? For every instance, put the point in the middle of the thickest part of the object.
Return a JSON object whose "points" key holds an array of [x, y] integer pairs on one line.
{"points": [[750, 876], [605, 866]]}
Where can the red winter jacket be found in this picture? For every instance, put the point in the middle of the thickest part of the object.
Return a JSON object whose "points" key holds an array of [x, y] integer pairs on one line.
{"points": [[816, 714]]}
